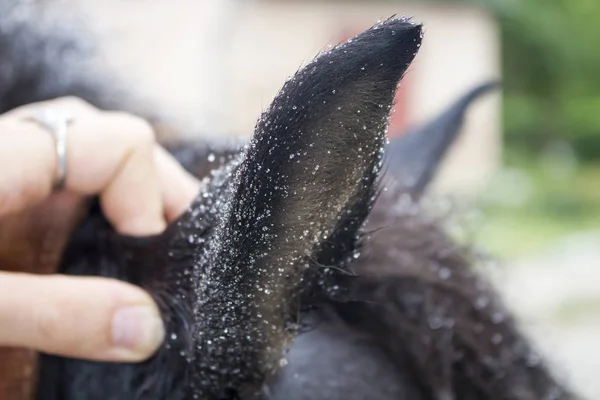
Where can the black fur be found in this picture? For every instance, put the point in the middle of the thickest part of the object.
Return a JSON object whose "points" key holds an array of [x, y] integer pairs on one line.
{"points": [[258, 236], [271, 285]]}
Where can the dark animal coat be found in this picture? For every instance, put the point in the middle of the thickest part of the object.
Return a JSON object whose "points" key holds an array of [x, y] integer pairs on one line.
{"points": [[295, 275]]}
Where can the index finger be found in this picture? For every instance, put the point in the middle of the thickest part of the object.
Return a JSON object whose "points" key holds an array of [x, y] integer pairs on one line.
{"points": [[113, 155]]}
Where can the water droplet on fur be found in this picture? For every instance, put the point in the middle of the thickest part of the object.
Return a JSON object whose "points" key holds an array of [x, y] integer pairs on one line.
{"points": [[444, 273], [481, 302], [435, 322], [498, 317], [533, 360], [497, 338]]}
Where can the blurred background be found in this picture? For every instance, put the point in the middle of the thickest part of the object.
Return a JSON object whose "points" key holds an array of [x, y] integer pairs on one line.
{"points": [[525, 172]]}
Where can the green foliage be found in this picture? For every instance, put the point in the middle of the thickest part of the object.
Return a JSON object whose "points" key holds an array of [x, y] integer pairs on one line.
{"points": [[551, 205], [551, 76], [551, 71]]}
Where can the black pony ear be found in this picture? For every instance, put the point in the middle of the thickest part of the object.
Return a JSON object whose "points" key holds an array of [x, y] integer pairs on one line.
{"points": [[413, 159], [309, 172], [317, 150]]}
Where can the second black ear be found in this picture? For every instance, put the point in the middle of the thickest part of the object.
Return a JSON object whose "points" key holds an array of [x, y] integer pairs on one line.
{"points": [[414, 158]]}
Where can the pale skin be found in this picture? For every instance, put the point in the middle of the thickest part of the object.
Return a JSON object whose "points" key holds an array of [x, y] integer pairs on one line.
{"points": [[141, 188]]}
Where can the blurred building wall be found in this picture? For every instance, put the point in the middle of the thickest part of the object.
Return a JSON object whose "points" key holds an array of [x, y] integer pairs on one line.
{"points": [[214, 65]]}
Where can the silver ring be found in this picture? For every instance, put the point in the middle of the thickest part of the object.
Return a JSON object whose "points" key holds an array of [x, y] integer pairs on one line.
{"points": [[57, 122]]}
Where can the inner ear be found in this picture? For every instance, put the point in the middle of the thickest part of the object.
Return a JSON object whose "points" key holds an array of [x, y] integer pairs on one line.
{"points": [[318, 148]]}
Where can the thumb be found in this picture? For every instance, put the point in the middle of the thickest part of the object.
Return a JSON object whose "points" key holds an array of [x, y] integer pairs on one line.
{"points": [[92, 318]]}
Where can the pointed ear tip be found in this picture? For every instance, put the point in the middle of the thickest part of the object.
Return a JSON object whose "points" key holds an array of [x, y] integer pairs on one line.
{"points": [[416, 30], [400, 31], [405, 24]]}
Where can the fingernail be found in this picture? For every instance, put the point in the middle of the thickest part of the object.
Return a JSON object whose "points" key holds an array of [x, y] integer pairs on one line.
{"points": [[138, 329]]}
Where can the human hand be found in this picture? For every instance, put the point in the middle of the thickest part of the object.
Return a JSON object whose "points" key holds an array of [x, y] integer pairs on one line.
{"points": [[141, 188]]}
